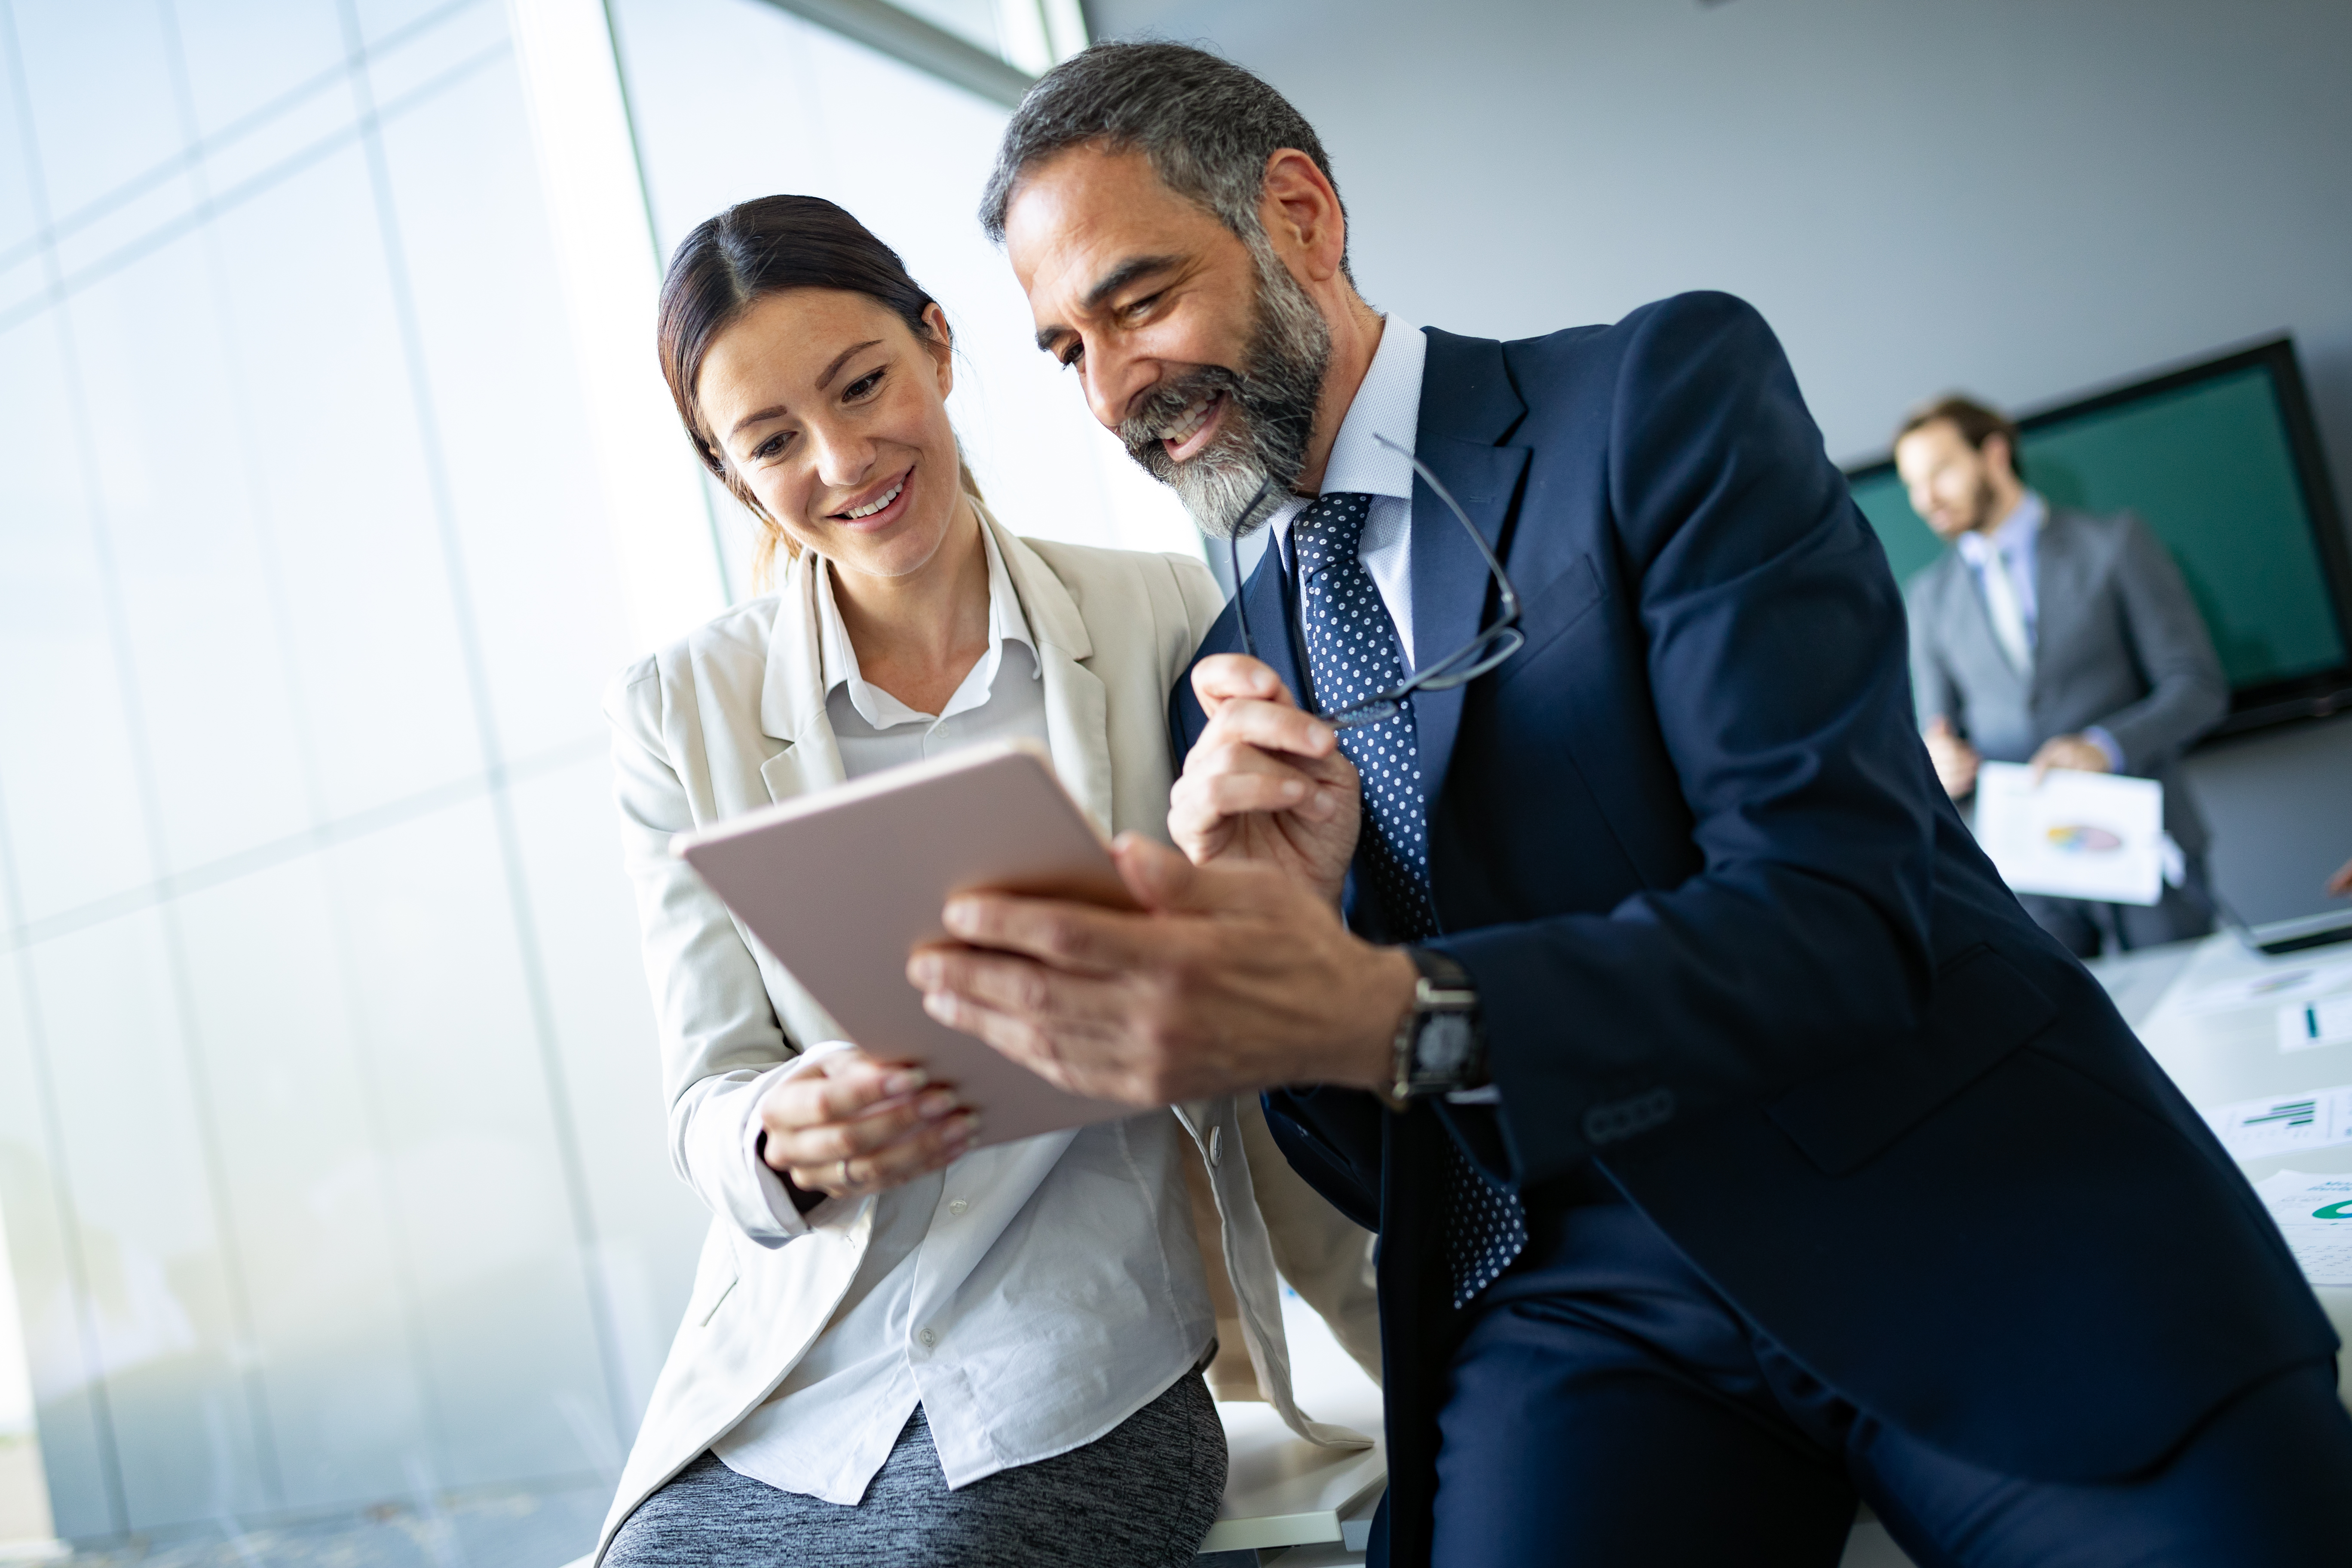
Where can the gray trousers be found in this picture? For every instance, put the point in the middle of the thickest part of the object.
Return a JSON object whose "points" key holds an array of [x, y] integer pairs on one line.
{"points": [[1141, 1495]]}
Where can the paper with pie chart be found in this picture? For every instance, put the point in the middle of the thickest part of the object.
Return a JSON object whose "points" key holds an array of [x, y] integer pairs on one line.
{"points": [[2072, 835], [2315, 1215]]}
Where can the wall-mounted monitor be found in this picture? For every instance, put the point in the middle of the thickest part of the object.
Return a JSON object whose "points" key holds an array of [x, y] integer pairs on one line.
{"points": [[2223, 462]]}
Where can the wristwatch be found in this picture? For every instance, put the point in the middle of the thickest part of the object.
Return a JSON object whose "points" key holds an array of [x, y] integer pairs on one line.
{"points": [[1440, 1048]]}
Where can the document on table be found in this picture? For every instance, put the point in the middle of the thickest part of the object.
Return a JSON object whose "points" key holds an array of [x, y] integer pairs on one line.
{"points": [[2322, 1021], [2282, 1123], [2315, 1215], [2074, 835]]}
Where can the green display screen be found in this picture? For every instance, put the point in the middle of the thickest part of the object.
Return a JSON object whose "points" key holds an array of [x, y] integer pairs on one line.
{"points": [[2209, 469]]}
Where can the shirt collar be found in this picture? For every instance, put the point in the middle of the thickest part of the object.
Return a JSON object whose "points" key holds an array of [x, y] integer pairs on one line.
{"points": [[837, 657], [1387, 402], [2013, 536]]}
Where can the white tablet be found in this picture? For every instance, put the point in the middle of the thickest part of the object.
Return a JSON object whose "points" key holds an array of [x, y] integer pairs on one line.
{"points": [[842, 885]]}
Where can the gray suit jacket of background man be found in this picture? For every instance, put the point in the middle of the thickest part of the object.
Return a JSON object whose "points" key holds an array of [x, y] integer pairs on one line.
{"points": [[2117, 643]]}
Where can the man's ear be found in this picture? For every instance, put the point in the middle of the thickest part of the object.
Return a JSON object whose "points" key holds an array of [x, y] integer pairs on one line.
{"points": [[1300, 211], [1996, 451]]}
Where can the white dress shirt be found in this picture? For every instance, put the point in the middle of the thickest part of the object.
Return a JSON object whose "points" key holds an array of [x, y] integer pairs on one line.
{"points": [[1075, 1245], [1387, 402], [2012, 542]]}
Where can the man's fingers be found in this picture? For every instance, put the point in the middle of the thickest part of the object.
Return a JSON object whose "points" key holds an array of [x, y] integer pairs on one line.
{"points": [[1271, 727], [1223, 678], [840, 1094], [1066, 935]]}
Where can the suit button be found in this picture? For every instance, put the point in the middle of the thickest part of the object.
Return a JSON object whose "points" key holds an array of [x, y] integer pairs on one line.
{"points": [[1216, 1144]]}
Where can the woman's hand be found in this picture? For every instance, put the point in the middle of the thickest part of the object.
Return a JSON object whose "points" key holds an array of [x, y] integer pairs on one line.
{"points": [[850, 1125], [1265, 782]]}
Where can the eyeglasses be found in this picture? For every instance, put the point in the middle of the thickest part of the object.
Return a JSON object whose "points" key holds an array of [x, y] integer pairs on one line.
{"points": [[1489, 648]]}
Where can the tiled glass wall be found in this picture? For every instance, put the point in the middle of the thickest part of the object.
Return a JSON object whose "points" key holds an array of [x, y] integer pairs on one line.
{"points": [[329, 1129]]}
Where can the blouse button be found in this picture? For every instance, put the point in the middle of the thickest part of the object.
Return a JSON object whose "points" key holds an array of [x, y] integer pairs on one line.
{"points": [[957, 1207], [929, 1339]]}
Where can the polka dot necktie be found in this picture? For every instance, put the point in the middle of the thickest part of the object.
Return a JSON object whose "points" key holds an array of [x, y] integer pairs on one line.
{"points": [[1352, 654]]}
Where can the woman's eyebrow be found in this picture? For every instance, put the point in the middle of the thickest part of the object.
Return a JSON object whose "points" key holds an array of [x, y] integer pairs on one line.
{"points": [[841, 359], [780, 410]]}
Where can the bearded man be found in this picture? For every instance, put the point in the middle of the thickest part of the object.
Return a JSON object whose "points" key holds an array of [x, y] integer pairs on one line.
{"points": [[1570, 873], [2058, 638]]}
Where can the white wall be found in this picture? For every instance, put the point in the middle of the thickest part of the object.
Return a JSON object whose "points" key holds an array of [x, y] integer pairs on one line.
{"points": [[2019, 197], [2016, 196]]}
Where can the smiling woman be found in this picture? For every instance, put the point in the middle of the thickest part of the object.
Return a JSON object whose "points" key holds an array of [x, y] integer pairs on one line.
{"points": [[903, 1345]]}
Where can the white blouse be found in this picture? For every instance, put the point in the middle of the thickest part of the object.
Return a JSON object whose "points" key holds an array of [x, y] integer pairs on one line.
{"points": [[1033, 1295]]}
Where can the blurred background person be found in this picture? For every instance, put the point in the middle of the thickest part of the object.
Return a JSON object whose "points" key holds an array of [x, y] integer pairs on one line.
{"points": [[2059, 638]]}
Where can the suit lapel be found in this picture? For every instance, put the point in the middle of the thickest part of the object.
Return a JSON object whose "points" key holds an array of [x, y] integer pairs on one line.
{"points": [[2062, 579], [1266, 599], [1467, 404]]}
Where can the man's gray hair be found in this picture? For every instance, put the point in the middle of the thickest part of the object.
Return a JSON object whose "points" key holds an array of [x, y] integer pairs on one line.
{"points": [[1207, 125]]}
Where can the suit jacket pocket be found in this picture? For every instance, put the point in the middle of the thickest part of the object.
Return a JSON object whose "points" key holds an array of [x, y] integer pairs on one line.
{"points": [[1982, 1010], [1558, 608]]}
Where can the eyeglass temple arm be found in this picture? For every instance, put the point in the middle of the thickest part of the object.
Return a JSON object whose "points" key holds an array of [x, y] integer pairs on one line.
{"points": [[1509, 596], [1233, 554]]}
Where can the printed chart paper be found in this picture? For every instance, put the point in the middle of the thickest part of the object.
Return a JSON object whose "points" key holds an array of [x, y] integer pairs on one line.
{"points": [[2315, 1215], [2322, 1021], [2074, 835], [2282, 1123]]}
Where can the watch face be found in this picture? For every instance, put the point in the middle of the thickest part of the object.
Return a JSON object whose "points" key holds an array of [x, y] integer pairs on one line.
{"points": [[1442, 1049]]}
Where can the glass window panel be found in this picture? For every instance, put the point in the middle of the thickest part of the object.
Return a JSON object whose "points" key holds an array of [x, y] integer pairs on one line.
{"points": [[377, 661], [67, 770], [522, 472], [105, 107], [224, 771], [19, 219], [454, 1064], [973, 21], [396, 20], [650, 1222], [245, 56], [97, 240], [449, 41], [57, 1354], [310, 1185], [161, 1295]]}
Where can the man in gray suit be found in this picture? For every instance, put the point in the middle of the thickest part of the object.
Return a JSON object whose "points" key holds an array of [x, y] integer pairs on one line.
{"points": [[2060, 638]]}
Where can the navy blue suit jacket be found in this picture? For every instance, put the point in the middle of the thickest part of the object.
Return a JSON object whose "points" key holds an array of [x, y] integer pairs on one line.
{"points": [[1735, 947]]}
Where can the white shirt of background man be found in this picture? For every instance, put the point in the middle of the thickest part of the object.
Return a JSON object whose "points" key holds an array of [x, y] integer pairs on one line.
{"points": [[1077, 1247]]}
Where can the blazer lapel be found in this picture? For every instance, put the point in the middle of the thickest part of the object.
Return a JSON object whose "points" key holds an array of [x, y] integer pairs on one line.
{"points": [[1467, 404], [792, 693], [1077, 706], [1266, 599]]}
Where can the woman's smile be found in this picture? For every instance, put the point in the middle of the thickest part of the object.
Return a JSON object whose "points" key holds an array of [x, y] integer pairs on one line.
{"points": [[879, 506]]}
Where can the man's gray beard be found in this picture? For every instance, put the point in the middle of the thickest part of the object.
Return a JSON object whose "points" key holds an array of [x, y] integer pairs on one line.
{"points": [[1269, 413]]}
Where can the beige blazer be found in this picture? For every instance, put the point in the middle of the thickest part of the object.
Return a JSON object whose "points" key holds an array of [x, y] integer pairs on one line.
{"points": [[732, 717]]}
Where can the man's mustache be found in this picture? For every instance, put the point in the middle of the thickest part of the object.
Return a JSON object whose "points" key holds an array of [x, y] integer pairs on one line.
{"points": [[1164, 407]]}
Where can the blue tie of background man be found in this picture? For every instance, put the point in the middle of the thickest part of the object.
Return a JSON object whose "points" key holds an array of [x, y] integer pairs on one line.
{"points": [[1352, 655]]}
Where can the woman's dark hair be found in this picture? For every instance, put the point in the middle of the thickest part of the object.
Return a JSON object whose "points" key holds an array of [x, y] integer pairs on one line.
{"points": [[745, 254]]}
